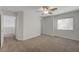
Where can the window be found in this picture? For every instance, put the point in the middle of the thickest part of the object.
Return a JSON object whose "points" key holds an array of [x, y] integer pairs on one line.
{"points": [[65, 24]]}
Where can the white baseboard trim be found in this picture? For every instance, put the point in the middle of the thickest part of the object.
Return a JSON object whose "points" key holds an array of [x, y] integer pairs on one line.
{"points": [[30, 37], [63, 36]]}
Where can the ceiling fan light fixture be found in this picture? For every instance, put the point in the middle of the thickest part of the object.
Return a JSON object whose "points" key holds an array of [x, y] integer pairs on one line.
{"points": [[46, 12], [47, 9]]}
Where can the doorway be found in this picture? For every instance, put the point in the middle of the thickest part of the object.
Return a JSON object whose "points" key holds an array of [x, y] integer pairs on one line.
{"points": [[9, 26]]}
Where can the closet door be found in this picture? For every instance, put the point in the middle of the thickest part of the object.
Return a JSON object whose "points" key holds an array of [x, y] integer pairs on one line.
{"points": [[47, 25]]}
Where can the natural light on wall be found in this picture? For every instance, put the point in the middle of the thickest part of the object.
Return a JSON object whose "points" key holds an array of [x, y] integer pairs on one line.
{"points": [[65, 24]]}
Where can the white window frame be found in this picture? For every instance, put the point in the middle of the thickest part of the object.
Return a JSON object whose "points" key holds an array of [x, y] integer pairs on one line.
{"points": [[63, 24]]}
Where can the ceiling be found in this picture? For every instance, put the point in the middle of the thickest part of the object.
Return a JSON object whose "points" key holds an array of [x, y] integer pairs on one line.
{"points": [[61, 9]]}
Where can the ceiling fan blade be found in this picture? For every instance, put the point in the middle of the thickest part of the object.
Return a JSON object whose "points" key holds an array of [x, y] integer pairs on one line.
{"points": [[50, 13], [53, 9]]}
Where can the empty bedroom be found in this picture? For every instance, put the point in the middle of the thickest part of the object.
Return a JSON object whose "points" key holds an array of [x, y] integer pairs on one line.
{"points": [[39, 28]]}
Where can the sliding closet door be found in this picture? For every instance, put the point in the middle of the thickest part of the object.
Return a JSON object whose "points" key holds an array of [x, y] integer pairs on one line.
{"points": [[47, 25]]}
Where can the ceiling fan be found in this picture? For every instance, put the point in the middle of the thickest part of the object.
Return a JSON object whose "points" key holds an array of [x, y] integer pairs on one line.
{"points": [[47, 9]]}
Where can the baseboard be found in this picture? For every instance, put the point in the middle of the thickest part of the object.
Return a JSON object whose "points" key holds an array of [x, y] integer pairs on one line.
{"points": [[30, 37], [63, 36]]}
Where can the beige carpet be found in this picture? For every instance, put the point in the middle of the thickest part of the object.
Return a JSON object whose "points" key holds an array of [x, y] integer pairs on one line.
{"points": [[41, 44]]}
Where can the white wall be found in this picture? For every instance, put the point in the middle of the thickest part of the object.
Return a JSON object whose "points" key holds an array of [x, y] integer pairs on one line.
{"points": [[28, 24], [71, 34], [31, 24], [19, 26]]}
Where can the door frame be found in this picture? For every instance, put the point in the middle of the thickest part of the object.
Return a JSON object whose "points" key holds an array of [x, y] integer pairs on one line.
{"points": [[2, 29]]}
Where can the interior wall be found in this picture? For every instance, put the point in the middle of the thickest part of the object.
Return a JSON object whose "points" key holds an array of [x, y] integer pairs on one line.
{"points": [[31, 24], [28, 24], [71, 34], [19, 26]]}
